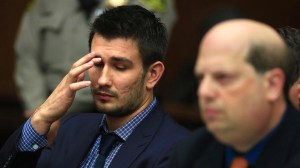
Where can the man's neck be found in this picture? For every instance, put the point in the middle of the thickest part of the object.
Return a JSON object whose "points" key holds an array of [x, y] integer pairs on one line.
{"points": [[278, 110]]}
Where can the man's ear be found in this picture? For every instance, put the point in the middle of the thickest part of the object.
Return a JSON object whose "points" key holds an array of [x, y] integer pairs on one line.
{"points": [[275, 80], [154, 74]]}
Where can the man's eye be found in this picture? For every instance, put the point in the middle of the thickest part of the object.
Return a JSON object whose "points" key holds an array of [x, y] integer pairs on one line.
{"points": [[224, 78], [120, 67]]}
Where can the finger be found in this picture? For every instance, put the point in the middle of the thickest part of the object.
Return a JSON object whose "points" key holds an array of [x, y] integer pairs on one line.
{"points": [[96, 60], [75, 72], [79, 85], [80, 77], [88, 57]]}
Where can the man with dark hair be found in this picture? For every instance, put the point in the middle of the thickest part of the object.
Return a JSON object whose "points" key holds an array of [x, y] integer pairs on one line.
{"points": [[52, 36], [242, 70], [127, 45], [292, 38]]}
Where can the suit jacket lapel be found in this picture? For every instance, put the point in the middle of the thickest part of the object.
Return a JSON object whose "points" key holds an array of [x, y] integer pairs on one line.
{"points": [[80, 149], [277, 151], [80, 145], [213, 158], [138, 140]]}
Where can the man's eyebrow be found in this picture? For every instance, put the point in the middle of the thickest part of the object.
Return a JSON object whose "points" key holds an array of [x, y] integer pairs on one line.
{"points": [[121, 59]]}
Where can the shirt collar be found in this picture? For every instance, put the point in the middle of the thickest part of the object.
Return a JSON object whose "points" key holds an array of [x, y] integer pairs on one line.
{"points": [[124, 131]]}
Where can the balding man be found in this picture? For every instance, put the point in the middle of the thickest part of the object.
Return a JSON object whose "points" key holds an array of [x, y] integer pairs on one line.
{"points": [[242, 68]]}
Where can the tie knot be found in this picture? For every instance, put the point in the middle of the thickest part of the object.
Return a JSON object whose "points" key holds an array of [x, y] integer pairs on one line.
{"points": [[239, 162], [107, 142]]}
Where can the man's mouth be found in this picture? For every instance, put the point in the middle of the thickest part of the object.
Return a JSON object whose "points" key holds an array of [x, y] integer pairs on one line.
{"points": [[104, 96]]}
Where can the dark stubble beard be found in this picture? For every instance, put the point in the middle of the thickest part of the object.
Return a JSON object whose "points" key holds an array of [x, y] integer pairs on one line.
{"points": [[134, 101]]}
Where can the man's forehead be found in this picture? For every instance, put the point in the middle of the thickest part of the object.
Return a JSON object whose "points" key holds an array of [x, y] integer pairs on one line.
{"points": [[220, 62]]}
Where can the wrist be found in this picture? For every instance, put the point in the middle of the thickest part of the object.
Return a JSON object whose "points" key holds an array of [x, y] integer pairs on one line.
{"points": [[40, 122]]}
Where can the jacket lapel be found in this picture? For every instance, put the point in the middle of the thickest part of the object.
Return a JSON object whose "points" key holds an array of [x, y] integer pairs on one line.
{"points": [[79, 142], [279, 149], [138, 140], [80, 149], [213, 158]]}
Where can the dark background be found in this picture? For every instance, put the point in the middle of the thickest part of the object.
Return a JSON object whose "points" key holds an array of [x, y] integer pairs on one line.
{"points": [[182, 50]]}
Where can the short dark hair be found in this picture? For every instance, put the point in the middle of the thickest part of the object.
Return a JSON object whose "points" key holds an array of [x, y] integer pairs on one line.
{"points": [[291, 36], [137, 23], [264, 57]]}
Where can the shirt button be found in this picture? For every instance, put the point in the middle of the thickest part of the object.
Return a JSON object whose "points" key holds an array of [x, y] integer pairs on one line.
{"points": [[35, 146]]}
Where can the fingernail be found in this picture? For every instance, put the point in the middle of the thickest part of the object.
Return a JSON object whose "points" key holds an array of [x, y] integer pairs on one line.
{"points": [[97, 59], [87, 83]]}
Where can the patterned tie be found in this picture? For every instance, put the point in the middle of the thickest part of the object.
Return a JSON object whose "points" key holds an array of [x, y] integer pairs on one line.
{"points": [[239, 162], [107, 142]]}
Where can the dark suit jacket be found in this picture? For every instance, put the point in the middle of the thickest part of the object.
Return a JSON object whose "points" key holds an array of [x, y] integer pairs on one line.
{"points": [[202, 150], [149, 145]]}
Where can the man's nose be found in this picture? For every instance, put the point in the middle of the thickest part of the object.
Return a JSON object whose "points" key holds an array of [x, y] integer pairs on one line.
{"points": [[207, 89], [105, 77]]}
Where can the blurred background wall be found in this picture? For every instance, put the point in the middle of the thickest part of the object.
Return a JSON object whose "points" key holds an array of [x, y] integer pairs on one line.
{"points": [[182, 50], [10, 108]]}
